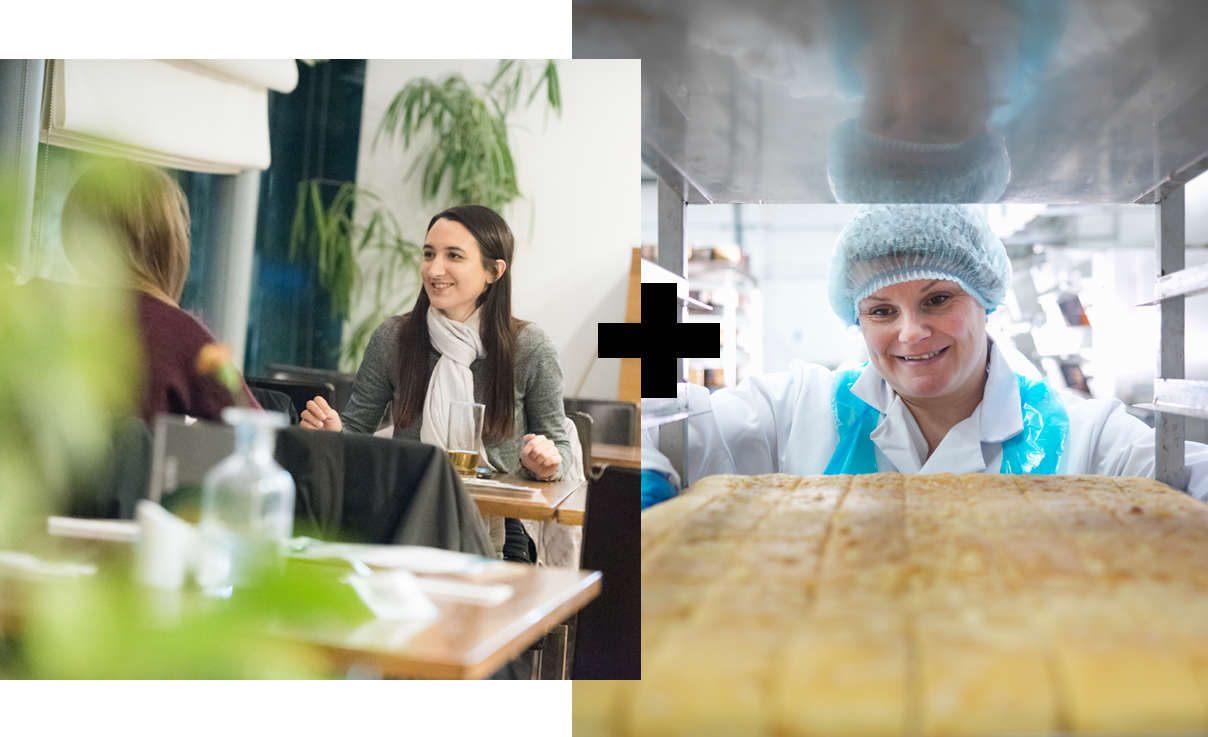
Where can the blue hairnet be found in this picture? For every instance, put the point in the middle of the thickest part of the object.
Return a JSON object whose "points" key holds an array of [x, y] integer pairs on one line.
{"points": [[889, 244], [866, 167]]}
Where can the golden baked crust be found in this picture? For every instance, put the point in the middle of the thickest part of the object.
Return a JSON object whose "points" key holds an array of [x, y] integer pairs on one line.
{"points": [[892, 604]]}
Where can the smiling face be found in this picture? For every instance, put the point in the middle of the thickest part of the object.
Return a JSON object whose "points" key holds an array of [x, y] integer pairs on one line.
{"points": [[452, 270], [927, 339]]}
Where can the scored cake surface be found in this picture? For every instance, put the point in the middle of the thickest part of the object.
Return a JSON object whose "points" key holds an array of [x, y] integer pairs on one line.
{"points": [[891, 604]]}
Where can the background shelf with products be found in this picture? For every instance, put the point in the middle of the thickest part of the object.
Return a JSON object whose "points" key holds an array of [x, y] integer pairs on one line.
{"points": [[718, 276]]}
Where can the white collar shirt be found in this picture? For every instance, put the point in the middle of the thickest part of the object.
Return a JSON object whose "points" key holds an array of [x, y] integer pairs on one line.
{"points": [[973, 445]]}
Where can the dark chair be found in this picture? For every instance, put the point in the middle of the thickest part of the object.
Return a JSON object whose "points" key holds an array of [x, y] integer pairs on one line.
{"points": [[361, 488], [584, 427], [613, 422], [349, 487], [183, 451], [113, 489], [608, 637], [299, 391], [272, 400], [341, 382]]}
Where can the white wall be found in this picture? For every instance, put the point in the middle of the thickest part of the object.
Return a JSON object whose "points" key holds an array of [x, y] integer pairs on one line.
{"points": [[1196, 197], [790, 248], [582, 209]]}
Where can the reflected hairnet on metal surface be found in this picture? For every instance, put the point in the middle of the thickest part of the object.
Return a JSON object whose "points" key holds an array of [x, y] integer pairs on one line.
{"points": [[890, 244], [863, 166]]}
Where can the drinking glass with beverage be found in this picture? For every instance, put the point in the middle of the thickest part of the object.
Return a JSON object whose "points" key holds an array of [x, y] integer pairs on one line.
{"points": [[465, 437]]}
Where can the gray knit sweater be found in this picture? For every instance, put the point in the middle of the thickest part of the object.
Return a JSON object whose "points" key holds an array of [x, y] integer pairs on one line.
{"points": [[538, 379]]}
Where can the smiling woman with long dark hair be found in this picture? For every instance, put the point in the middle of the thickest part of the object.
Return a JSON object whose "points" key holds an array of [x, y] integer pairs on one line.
{"points": [[461, 343]]}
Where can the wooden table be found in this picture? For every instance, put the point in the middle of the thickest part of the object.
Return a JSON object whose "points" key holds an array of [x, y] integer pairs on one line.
{"points": [[616, 455], [562, 501], [538, 505], [466, 641]]}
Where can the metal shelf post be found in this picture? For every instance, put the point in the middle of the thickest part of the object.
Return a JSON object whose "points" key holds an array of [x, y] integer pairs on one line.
{"points": [[673, 256], [1171, 258]]}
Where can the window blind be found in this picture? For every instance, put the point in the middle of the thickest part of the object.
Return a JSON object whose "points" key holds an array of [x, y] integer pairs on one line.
{"points": [[197, 115]]}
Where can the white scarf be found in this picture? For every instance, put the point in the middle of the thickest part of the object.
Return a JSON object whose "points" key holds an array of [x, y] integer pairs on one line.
{"points": [[458, 343]]}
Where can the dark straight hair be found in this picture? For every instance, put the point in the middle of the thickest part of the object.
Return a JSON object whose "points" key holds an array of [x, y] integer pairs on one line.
{"points": [[499, 330]]}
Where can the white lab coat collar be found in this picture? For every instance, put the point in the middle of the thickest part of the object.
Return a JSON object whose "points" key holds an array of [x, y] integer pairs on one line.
{"points": [[899, 440]]}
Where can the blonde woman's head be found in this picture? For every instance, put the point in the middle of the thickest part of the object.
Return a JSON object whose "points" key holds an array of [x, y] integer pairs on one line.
{"points": [[133, 214]]}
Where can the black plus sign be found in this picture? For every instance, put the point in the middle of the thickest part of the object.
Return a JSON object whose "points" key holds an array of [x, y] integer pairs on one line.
{"points": [[661, 341]]}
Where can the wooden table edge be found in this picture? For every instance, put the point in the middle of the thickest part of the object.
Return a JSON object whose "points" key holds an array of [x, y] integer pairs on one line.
{"points": [[500, 507], [504, 506], [608, 454], [392, 665], [572, 508], [588, 589]]}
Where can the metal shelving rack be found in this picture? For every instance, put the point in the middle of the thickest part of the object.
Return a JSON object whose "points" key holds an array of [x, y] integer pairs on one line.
{"points": [[1175, 397], [1117, 113]]}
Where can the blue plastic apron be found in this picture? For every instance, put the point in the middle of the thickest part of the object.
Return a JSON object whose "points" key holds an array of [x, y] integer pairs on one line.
{"points": [[1035, 450]]}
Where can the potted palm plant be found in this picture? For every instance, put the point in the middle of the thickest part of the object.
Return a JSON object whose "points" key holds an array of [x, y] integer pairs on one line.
{"points": [[471, 146], [354, 259]]}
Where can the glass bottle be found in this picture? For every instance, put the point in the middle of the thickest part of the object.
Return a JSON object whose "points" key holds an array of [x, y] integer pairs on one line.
{"points": [[247, 505]]}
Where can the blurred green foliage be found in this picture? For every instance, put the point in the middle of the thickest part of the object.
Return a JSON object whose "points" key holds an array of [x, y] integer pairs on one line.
{"points": [[69, 366], [108, 626], [70, 370]]}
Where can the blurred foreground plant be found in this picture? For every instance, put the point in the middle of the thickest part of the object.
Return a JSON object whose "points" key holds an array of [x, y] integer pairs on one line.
{"points": [[215, 358], [69, 366], [107, 626]]}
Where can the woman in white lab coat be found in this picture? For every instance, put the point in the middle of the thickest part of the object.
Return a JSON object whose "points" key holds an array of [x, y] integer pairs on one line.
{"points": [[937, 395]]}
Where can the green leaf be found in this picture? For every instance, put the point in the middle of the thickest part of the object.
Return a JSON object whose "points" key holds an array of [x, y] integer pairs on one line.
{"points": [[552, 86], [504, 66], [297, 233]]}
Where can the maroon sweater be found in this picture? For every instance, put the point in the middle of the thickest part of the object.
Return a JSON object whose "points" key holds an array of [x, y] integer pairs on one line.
{"points": [[171, 339]]}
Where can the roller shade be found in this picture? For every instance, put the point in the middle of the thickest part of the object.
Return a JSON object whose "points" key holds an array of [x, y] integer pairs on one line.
{"points": [[196, 115]]}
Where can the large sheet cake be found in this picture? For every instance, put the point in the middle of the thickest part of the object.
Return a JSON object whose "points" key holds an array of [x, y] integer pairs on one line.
{"points": [[891, 604]]}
